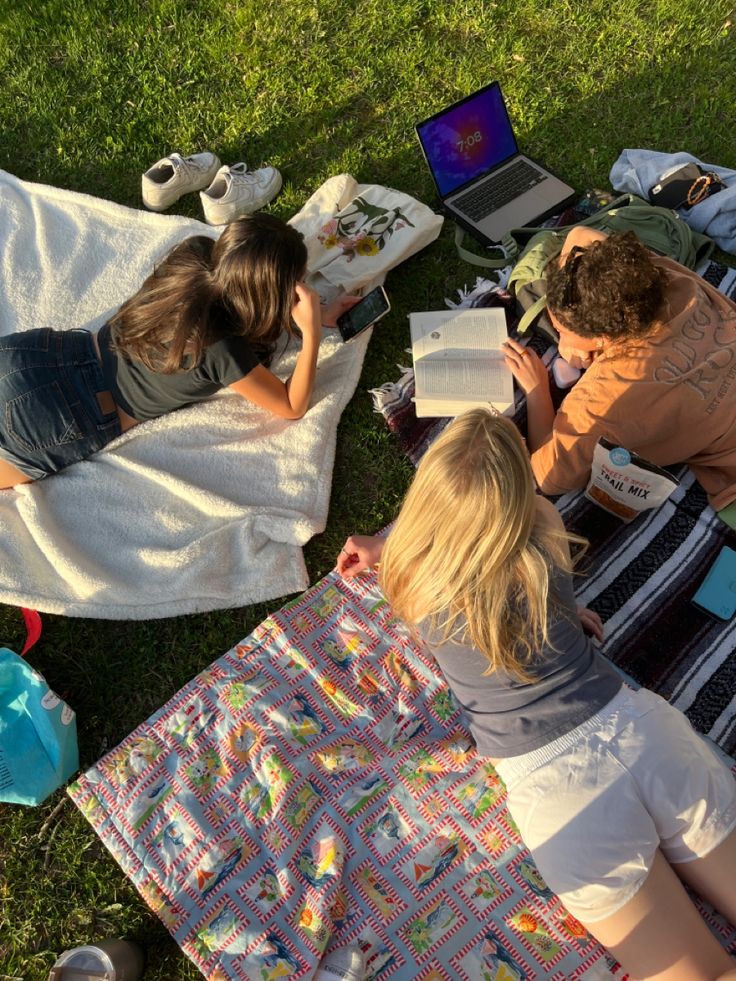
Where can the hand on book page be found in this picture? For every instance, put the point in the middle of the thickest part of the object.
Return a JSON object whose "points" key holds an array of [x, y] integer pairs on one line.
{"points": [[526, 367]]}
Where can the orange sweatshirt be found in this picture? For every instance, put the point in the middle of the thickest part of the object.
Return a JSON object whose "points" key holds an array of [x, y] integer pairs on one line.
{"points": [[670, 397]]}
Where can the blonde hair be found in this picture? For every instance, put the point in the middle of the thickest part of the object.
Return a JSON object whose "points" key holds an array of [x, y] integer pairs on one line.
{"points": [[468, 553]]}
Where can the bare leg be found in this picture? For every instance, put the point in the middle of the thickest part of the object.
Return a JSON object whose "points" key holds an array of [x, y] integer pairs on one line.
{"points": [[714, 877], [660, 934], [10, 476]]}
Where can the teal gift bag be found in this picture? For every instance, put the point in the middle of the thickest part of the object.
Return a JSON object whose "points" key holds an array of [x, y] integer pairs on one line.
{"points": [[38, 731]]}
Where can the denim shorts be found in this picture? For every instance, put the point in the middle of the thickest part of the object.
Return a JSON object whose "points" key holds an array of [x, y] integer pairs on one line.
{"points": [[56, 408], [594, 805]]}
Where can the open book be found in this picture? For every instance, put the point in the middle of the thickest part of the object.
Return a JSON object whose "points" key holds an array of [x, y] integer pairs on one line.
{"points": [[458, 361]]}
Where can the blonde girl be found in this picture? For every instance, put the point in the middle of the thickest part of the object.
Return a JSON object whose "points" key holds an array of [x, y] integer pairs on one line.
{"points": [[617, 798]]}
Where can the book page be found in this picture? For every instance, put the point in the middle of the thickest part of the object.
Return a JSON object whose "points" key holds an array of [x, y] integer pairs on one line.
{"points": [[458, 356], [457, 334], [481, 380]]}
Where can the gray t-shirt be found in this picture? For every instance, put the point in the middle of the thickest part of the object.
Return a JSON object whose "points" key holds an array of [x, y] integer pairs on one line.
{"points": [[146, 394], [508, 717]]}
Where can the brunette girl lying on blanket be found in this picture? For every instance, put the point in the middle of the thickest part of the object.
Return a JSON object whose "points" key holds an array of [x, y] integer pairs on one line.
{"points": [[659, 344], [613, 792], [209, 316]]}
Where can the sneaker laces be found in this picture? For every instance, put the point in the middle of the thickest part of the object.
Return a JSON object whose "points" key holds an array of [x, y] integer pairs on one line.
{"points": [[188, 165], [241, 173]]}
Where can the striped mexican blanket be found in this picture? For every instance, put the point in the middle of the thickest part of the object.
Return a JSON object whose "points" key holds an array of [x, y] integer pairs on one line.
{"points": [[639, 577]]}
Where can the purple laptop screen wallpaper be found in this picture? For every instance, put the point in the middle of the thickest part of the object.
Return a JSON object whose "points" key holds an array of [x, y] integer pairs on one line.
{"points": [[468, 139]]}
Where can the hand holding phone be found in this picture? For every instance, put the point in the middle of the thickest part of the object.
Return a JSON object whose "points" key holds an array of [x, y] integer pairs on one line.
{"points": [[371, 308]]}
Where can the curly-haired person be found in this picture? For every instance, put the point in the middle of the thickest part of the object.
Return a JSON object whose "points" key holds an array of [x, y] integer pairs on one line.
{"points": [[659, 346]]}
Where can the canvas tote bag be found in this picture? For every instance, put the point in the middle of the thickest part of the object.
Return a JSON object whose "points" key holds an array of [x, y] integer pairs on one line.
{"points": [[355, 233]]}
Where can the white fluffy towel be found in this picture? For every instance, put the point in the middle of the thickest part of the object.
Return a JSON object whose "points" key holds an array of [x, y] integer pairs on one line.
{"points": [[203, 509]]}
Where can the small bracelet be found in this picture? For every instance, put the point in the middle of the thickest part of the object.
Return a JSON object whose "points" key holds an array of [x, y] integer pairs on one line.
{"points": [[700, 188]]}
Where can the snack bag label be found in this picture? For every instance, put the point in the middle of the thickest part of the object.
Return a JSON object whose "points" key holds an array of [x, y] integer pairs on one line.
{"points": [[626, 484]]}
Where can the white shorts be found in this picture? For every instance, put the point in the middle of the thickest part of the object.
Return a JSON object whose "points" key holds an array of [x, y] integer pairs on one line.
{"points": [[594, 805]]}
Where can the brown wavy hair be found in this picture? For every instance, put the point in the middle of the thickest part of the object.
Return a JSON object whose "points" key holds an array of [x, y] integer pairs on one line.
{"points": [[242, 284], [609, 289]]}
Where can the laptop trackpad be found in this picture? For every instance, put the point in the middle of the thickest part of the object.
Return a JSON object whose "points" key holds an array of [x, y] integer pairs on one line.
{"points": [[524, 210]]}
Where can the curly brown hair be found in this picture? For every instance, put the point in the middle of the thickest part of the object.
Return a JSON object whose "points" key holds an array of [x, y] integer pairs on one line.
{"points": [[610, 289]]}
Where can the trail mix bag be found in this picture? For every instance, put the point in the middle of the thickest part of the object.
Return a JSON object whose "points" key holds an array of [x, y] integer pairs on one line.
{"points": [[626, 484]]}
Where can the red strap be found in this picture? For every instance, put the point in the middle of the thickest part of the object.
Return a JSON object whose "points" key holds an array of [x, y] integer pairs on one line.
{"points": [[33, 628]]}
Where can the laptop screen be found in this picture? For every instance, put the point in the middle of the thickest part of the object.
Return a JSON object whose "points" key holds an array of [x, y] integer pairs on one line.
{"points": [[468, 139]]}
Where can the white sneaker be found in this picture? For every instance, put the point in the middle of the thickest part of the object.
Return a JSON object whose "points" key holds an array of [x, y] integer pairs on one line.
{"points": [[175, 175], [238, 191]]}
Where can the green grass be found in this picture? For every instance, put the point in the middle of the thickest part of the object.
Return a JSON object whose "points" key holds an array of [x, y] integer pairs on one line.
{"points": [[93, 91]]}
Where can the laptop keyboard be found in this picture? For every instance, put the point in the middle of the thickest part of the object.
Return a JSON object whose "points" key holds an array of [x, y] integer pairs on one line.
{"points": [[494, 193]]}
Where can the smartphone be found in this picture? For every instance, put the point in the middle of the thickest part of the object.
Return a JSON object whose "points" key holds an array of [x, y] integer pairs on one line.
{"points": [[717, 593], [371, 308]]}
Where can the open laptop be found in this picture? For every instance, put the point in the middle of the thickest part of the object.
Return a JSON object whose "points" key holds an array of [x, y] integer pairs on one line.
{"points": [[485, 184]]}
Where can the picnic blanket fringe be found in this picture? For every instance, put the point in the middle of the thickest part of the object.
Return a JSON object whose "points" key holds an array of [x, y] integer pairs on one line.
{"points": [[390, 392]]}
